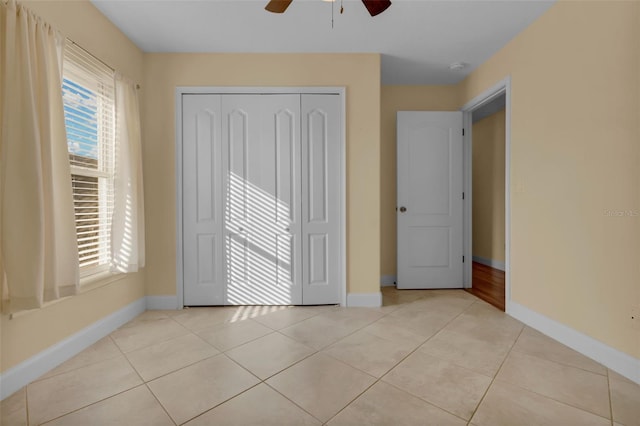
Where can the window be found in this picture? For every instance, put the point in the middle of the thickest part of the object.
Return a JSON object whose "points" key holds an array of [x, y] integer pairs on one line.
{"points": [[89, 108]]}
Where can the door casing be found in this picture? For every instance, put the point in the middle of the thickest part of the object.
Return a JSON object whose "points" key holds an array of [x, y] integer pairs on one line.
{"points": [[184, 90]]}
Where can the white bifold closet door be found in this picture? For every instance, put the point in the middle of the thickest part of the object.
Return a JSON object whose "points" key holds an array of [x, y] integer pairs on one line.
{"points": [[320, 197], [262, 229], [202, 201], [261, 199]]}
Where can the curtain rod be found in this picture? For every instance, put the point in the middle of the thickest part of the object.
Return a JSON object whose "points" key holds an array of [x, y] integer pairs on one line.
{"points": [[98, 59], [6, 2]]}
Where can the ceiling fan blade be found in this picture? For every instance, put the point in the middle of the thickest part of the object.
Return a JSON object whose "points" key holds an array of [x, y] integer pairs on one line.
{"points": [[278, 6], [376, 7]]}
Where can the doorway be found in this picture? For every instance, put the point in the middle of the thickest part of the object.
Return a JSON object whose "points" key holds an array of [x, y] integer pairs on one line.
{"points": [[487, 211]]}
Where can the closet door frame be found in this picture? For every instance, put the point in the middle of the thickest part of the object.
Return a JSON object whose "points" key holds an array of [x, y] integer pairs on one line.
{"points": [[215, 90]]}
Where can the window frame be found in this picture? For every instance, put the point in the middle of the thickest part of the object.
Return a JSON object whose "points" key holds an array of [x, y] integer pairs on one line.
{"points": [[83, 70]]}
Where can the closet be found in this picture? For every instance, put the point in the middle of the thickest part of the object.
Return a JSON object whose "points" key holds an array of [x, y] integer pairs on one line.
{"points": [[261, 199]]}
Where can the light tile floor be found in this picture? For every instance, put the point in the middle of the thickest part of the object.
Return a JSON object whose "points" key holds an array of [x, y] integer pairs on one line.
{"points": [[424, 358]]}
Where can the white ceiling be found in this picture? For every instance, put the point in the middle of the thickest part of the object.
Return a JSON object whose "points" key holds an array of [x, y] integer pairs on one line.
{"points": [[418, 39]]}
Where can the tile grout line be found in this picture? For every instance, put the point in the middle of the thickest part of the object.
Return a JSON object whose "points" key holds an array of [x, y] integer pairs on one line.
{"points": [[398, 363], [154, 343], [564, 364], [610, 399], [261, 381], [92, 404], [538, 393], [216, 405], [291, 401], [512, 349], [146, 385], [430, 403], [204, 341], [220, 353], [550, 397], [179, 369], [219, 404], [320, 312], [143, 381], [129, 362], [403, 358], [554, 400], [225, 324], [422, 344], [41, 378], [242, 344], [317, 351], [496, 375], [26, 403], [431, 337], [189, 331], [196, 362], [100, 400]]}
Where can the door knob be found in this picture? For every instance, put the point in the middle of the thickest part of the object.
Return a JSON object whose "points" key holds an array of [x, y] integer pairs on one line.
{"points": [[403, 209]]}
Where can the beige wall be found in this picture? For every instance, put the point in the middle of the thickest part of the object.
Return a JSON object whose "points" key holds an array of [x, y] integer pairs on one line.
{"points": [[575, 162], [359, 73], [575, 141], [488, 187], [394, 99], [33, 331]]}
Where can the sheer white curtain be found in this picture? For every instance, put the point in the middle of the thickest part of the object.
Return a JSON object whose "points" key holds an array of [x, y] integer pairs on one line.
{"points": [[127, 226], [37, 230]]}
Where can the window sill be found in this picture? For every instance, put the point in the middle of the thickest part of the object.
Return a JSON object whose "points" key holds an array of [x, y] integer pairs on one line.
{"points": [[87, 284], [97, 280]]}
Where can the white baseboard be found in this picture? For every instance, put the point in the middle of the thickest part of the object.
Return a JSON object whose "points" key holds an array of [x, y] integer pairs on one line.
{"points": [[387, 280], [27, 371], [620, 362], [162, 303], [497, 264], [364, 300]]}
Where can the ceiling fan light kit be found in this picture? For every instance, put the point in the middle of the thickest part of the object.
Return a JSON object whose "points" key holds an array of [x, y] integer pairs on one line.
{"points": [[374, 7]]}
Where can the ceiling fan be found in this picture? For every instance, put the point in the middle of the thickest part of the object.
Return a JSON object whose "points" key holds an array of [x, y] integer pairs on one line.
{"points": [[374, 7]]}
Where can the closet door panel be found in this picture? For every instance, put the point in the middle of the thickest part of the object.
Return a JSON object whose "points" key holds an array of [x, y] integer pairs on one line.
{"points": [[202, 196], [283, 122], [321, 128], [262, 224], [238, 131]]}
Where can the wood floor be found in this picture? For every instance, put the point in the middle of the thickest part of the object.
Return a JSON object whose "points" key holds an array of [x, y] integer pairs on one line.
{"points": [[488, 284]]}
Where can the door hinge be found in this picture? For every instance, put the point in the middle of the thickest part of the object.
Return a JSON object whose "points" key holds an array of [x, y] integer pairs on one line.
{"points": [[462, 259], [463, 195], [462, 132]]}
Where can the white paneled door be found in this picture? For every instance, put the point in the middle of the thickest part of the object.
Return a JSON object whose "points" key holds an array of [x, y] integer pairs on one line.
{"points": [[262, 215], [202, 200], [429, 204], [270, 174], [320, 198]]}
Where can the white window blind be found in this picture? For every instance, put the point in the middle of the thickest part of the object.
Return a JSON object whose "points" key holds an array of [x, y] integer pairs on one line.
{"points": [[89, 107]]}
